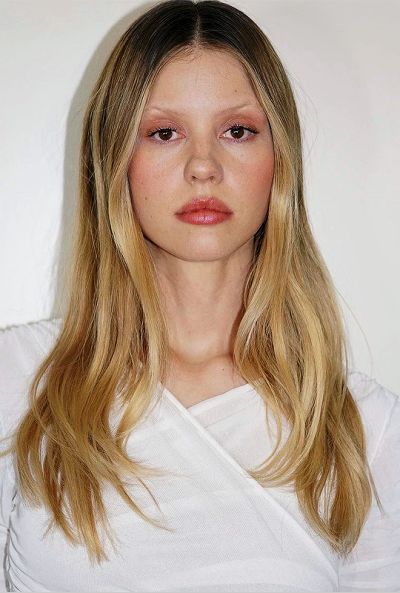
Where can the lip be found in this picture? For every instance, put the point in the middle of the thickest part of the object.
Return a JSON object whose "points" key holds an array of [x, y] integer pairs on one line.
{"points": [[210, 203], [204, 216]]}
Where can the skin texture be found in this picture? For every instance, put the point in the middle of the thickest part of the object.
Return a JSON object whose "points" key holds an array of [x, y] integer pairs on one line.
{"points": [[202, 268]]}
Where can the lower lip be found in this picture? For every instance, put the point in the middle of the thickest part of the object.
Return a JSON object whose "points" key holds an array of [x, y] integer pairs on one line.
{"points": [[204, 217]]}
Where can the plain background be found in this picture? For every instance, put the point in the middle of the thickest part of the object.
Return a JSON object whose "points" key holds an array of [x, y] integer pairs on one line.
{"points": [[342, 57]]}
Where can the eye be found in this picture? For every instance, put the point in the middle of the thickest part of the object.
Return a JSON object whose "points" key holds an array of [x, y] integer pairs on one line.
{"points": [[238, 128], [164, 133]]}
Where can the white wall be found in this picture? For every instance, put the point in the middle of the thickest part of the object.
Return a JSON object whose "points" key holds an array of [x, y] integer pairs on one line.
{"points": [[343, 60]]}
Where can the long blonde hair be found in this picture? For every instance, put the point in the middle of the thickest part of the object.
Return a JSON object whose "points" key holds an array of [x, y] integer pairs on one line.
{"points": [[290, 343]]}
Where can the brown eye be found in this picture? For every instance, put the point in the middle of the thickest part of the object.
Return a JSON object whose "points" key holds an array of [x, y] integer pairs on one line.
{"points": [[164, 133], [238, 131]]}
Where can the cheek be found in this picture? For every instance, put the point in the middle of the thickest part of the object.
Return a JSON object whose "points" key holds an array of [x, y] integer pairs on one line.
{"points": [[139, 174], [142, 183], [255, 179], [147, 184], [262, 173], [148, 178], [138, 178]]}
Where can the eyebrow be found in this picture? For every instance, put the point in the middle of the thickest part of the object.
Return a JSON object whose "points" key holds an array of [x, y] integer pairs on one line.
{"points": [[221, 112]]}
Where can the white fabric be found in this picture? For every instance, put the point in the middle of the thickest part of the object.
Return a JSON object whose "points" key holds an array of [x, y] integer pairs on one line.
{"points": [[229, 534]]}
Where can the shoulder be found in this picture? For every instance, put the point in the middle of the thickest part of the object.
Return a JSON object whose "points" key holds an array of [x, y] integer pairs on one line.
{"points": [[380, 411], [22, 349]]}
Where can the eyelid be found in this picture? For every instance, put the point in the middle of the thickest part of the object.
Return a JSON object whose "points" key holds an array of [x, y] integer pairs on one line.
{"points": [[238, 120], [234, 123]]}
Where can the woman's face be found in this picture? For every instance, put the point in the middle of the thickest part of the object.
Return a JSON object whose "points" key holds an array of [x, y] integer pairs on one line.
{"points": [[209, 104]]}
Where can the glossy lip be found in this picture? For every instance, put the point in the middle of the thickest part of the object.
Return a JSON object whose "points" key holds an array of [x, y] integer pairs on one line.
{"points": [[204, 203], [204, 216]]}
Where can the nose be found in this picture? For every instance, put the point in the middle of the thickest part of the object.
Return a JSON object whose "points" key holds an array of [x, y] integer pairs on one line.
{"points": [[202, 163]]}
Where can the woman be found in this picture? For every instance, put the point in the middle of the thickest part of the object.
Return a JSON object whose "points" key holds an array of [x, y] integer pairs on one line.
{"points": [[191, 423]]}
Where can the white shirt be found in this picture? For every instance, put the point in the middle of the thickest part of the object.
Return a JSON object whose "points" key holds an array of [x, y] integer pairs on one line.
{"points": [[229, 534]]}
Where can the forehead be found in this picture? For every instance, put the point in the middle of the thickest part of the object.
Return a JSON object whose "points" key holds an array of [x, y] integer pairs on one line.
{"points": [[209, 80]]}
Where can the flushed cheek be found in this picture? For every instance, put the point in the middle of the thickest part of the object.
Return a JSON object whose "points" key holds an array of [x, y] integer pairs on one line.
{"points": [[243, 173], [150, 175], [254, 180], [262, 175], [148, 196], [141, 173]]}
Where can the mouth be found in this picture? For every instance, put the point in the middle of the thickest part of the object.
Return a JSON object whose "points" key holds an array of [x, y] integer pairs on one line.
{"points": [[209, 203], [204, 217]]}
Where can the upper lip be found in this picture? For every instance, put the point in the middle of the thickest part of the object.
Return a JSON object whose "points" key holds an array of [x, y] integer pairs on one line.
{"points": [[204, 203]]}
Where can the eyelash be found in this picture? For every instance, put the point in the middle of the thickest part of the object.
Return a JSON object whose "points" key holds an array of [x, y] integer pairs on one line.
{"points": [[170, 129]]}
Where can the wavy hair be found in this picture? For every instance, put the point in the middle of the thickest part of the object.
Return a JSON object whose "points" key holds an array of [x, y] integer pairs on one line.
{"points": [[290, 343]]}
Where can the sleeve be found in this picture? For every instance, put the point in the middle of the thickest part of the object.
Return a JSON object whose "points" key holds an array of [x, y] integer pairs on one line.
{"points": [[7, 493], [374, 563]]}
